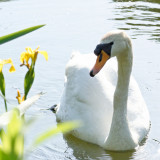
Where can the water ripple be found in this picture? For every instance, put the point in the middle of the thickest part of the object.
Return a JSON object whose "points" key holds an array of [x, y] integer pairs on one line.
{"points": [[139, 16]]}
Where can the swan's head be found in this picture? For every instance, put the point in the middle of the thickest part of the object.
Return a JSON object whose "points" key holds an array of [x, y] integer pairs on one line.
{"points": [[113, 44]]}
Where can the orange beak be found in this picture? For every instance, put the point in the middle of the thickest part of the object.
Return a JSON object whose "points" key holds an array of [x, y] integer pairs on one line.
{"points": [[100, 62]]}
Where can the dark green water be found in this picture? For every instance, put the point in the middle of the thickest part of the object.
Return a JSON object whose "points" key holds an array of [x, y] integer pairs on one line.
{"points": [[79, 25]]}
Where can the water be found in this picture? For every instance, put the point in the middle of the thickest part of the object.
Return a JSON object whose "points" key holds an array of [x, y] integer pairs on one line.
{"points": [[79, 25]]}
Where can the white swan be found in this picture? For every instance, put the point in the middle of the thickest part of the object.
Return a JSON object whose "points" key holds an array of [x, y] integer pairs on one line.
{"points": [[111, 107]]}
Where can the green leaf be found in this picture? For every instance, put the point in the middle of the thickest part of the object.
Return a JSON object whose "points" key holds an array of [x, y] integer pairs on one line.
{"points": [[28, 80], [15, 123], [1, 133], [12, 146], [2, 84], [63, 127], [14, 35], [2, 88]]}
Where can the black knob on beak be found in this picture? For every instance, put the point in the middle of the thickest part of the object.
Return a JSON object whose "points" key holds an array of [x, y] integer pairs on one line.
{"points": [[98, 50], [91, 73]]}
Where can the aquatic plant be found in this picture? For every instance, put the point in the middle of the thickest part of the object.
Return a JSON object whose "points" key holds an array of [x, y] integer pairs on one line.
{"points": [[12, 147], [12, 123], [2, 80], [3, 40], [17, 34], [24, 58]]}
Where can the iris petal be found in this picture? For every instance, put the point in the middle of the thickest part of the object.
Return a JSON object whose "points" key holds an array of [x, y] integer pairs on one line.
{"points": [[1, 66], [25, 56], [12, 69], [22, 57], [7, 61], [45, 54]]}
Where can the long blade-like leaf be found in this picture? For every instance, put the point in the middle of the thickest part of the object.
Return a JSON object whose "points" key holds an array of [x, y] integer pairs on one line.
{"points": [[14, 35], [62, 127]]}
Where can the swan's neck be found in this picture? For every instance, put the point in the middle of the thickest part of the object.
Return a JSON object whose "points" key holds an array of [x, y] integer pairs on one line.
{"points": [[120, 137]]}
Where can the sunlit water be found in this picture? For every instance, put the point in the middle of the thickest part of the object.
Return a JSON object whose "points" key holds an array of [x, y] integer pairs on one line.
{"points": [[79, 25]]}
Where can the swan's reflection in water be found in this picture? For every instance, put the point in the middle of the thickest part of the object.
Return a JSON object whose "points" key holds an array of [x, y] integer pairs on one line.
{"points": [[82, 150], [68, 147]]}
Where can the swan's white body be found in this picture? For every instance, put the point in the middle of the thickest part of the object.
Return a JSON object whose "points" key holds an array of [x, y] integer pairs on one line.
{"points": [[114, 115]]}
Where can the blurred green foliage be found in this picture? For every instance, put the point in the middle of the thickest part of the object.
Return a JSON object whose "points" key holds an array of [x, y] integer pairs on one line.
{"points": [[12, 147], [13, 134]]}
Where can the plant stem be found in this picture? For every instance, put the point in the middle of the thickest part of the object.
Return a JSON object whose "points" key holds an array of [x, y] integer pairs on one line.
{"points": [[5, 105]]}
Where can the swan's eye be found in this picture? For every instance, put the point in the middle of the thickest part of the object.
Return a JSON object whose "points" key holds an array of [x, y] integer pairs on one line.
{"points": [[100, 57]]}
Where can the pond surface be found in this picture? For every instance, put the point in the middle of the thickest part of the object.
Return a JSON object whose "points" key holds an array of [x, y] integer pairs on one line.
{"points": [[79, 25]]}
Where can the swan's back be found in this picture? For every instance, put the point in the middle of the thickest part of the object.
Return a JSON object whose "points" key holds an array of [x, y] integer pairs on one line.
{"points": [[85, 98], [91, 99]]}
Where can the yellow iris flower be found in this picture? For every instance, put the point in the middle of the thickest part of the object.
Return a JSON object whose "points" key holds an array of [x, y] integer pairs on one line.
{"points": [[20, 100], [7, 61], [25, 56]]}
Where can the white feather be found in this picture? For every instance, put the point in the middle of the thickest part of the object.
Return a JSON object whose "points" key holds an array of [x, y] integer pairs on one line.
{"points": [[92, 101]]}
